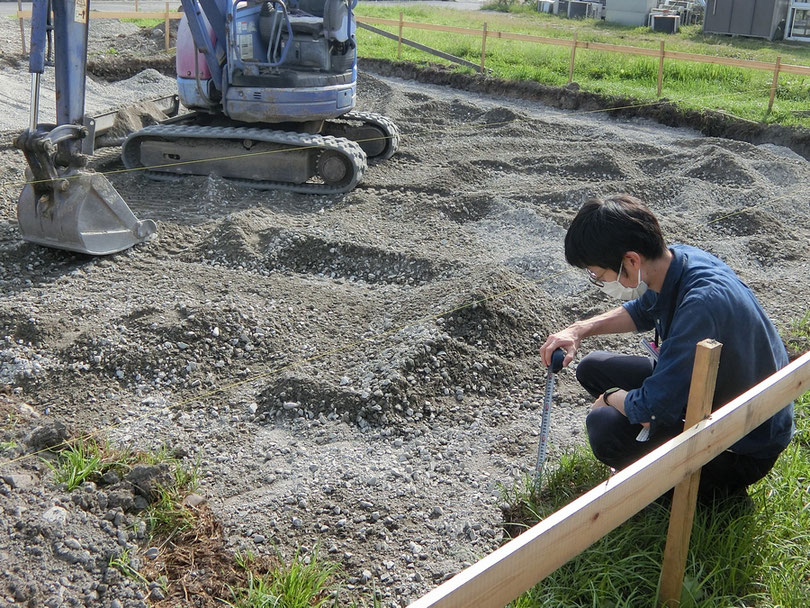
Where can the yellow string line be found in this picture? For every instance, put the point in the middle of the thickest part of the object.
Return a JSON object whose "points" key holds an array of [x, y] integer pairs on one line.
{"points": [[469, 127], [356, 343], [294, 364]]}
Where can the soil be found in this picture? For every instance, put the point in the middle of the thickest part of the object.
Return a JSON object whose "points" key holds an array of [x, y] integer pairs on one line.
{"points": [[356, 373]]}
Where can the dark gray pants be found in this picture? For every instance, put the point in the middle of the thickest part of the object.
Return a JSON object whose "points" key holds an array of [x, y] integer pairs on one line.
{"points": [[613, 437]]}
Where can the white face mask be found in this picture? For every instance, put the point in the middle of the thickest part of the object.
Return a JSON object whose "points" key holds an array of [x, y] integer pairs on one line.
{"points": [[616, 290]]}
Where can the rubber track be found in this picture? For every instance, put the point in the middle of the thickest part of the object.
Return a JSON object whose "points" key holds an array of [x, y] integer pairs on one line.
{"points": [[385, 124], [131, 156]]}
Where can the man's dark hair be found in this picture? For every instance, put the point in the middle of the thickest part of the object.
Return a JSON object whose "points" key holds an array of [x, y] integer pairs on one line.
{"points": [[604, 230]]}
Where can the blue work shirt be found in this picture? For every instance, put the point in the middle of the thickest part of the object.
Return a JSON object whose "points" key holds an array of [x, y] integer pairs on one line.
{"points": [[709, 301]]}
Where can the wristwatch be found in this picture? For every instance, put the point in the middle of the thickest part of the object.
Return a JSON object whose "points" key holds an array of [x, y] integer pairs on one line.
{"points": [[608, 393]]}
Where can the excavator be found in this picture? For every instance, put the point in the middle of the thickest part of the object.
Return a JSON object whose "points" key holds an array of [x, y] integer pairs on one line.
{"points": [[269, 88]]}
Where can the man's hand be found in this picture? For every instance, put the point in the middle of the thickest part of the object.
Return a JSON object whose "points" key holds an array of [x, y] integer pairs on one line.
{"points": [[614, 321], [568, 339], [616, 402]]}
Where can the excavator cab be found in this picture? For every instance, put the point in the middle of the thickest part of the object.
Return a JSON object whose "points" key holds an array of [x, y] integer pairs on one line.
{"points": [[268, 61], [63, 205]]}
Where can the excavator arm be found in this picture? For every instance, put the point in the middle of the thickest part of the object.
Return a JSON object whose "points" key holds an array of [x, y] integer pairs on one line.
{"points": [[64, 205]]}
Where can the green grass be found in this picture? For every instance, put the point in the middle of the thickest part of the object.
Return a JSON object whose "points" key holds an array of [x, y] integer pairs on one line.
{"points": [[86, 459], [738, 91], [304, 583], [753, 557], [797, 337]]}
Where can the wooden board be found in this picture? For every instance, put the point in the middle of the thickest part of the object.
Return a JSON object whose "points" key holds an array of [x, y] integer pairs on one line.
{"points": [[520, 564]]}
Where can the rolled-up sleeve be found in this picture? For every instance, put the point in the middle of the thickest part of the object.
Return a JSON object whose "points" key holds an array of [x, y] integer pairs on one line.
{"points": [[639, 311]]}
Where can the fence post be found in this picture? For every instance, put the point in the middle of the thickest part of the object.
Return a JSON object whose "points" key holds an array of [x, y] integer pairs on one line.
{"points": [[573, 54], [774, 83], [136, 6], [483, 47], [399, 44], [166, 35], [22, 29], [661, 69], [699, 406]]}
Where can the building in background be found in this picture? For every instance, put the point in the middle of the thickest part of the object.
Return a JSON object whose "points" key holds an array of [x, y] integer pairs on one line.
{"points": [[758, 18]]}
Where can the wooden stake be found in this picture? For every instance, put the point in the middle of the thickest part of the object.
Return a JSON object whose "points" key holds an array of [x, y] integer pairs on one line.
{"points": [[774, 83], [166, 35], [136, 6], [399, 44], [22, 29], [573, 54], [483, 47], [661, 69], [699, 406]]}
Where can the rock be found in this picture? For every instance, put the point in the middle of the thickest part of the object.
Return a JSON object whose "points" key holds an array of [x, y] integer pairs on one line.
{"points": [[147, 480], [194, 500], [56, 515], [19, 482], [47, 436]]}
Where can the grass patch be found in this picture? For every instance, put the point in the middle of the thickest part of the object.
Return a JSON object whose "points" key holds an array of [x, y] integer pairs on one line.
{"points": [[87, 459], [304, 583], [738, 91], [797, 337], [740, 555]]}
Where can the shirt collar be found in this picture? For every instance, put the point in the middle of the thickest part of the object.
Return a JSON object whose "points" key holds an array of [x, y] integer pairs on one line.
{"points": [[656, 301]]}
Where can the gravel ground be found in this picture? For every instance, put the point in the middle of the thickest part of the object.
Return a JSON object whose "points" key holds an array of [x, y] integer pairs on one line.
{"points": [[324, 358]]}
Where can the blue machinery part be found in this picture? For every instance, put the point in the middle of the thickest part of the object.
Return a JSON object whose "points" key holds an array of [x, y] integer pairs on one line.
{"points": [[62, 205]]}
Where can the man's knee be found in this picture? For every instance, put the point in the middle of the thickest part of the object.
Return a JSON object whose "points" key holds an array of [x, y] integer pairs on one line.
{"points": [[606, 428], [590, 371]]}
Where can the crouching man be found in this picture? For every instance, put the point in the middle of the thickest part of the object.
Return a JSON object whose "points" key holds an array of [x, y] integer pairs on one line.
{"points": [[684, 295]]}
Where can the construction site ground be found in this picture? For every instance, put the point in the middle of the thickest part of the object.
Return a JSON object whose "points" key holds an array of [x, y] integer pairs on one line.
{"points": [[357, 373]]}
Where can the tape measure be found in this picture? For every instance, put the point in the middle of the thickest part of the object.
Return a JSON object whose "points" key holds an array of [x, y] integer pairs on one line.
{"points": [[556, 365]]}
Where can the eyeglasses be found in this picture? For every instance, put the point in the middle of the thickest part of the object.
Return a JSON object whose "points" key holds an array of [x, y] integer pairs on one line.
{"points": [[593, 278]]}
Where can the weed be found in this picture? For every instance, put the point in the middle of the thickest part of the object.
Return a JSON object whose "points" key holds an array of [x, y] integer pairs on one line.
{"points": [[123, 563], [527, 502], [797, 338], [83, 460], [6, 446], [306, 582]]}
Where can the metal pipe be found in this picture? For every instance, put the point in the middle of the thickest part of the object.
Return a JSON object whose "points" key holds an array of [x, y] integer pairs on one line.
{"points": [[33, 119]]}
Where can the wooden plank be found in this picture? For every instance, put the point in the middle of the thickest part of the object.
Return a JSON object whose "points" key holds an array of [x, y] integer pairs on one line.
{"points": [[739, 63], [661, 71], [698, 407], [166, 30], [421, 47], [116, 15], [530, 38], [573, 55], [22, 28], [520, 564], [483, 48], [451, 29], [594, 46], [399, 42], [615, 48], [774, 83]]}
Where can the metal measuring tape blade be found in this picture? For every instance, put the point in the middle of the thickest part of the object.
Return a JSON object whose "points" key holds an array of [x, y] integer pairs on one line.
{"points": [[556, 365]]}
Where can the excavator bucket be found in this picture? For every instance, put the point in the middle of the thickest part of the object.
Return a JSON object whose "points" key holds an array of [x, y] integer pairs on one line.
{"points": [[86, 215]]}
